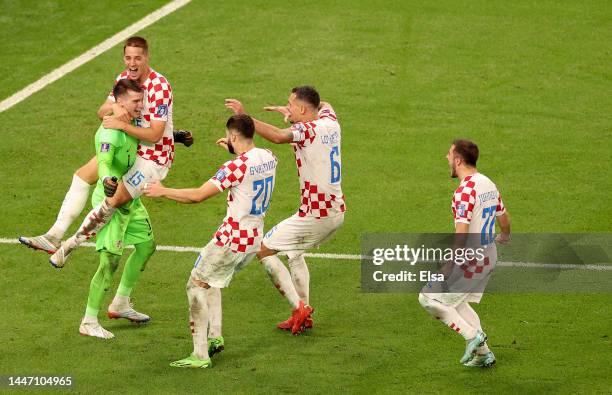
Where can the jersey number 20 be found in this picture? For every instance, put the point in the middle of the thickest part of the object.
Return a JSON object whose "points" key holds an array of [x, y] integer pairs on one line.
{"points": [[261, 203]]}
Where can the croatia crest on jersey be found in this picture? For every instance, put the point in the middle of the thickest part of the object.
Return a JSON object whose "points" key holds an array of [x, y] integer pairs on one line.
{"points": [[220, 175], [461, 210], [162, 110]]}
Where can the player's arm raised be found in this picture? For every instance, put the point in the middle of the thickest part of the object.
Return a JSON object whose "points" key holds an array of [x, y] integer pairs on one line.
{"points": [[185, 195], [265, 130], [151, 134]]}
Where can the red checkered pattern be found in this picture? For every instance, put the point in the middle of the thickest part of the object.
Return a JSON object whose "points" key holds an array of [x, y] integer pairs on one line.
{"points": [[464, 200], [303, 133], [239, 239], [476, 267], [318, 204], [160, 153], [231, 173], [159, 93]]}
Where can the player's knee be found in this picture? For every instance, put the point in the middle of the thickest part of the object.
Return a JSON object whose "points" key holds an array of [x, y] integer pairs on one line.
{"points": [[296, 261], [147, 248]]}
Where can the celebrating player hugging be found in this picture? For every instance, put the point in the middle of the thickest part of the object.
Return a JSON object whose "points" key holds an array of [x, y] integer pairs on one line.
{"points": [[249, 179], [315, 137]]}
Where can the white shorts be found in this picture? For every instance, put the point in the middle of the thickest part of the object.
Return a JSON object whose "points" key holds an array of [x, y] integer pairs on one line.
{"points": [[297, 234], [143, 170], [216, 265], [470, 288]]}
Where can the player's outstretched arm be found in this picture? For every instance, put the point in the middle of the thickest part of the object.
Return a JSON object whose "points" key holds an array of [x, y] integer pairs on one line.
{"points": [[151, 134], [265, 130], [186, 195]]}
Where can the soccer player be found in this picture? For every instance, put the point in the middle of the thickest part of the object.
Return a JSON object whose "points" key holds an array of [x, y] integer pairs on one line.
{"points": [[155, 151], [116, 153], [476, 205], [157, 115], [250, 181], [315, 137]]}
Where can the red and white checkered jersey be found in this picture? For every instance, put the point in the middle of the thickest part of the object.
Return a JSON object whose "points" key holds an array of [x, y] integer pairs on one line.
{"points": [[477, 202], [319, 164], [157, 107], [250, 180]]}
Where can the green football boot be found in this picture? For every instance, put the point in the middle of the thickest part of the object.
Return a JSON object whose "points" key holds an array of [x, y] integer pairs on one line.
{"points": [[192, 362], [472, 345], [481, 361], [215, 345]]}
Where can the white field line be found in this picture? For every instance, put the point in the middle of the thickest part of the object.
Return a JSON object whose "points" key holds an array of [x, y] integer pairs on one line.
{"points": [[92, 53], [352, 257]]}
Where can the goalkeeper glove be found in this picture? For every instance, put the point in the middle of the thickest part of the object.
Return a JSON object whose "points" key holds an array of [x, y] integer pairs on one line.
{"points": [[110, 186], [183, 136]]}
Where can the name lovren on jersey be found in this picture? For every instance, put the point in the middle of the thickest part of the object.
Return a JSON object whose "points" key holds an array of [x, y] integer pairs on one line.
{"points": [[330, 138], [262, 168]]}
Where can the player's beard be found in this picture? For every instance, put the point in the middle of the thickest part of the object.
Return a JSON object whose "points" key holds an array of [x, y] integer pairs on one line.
{"points": [[230, 148], [453, 171]]}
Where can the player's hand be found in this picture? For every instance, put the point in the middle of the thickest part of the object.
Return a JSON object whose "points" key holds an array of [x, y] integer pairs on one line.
{"points": [[153, 189], [111, 122], [503, 238], [282, 109], [235, 106], [120, 113], [110, 186], [183, 136], [222, 142]]}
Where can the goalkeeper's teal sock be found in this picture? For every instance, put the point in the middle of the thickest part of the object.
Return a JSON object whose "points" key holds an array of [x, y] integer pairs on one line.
{"points": [[101, 282], [134, 266]]}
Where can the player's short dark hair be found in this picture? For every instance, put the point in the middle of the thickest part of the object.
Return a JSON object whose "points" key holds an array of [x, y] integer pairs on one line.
{"points": [[243, 124], [124, 85], [136, 41], [467, 150], [308, 94]]}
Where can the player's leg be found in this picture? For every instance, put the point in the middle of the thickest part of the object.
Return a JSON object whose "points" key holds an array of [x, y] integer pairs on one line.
{"points": [[447, 314], [73, 204], [100, 283], [99, 216], [484, 357], [216, 343], [197, 295], [301, 280], [134, 266]]}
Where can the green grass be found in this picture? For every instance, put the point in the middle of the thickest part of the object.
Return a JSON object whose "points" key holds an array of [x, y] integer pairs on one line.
{"points": [[528, 81]]}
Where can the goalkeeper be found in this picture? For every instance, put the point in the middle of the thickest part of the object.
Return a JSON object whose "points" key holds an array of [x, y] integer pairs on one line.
{"points": [[116, 153]]}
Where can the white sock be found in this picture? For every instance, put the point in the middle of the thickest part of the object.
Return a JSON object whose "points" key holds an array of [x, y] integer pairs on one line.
{"points": [[90, 319], [74, 202], [449, 316], [214, 312], [198, 319], [471, 317], [119, 303], [93, 222], [300, 277], [281, 279]]}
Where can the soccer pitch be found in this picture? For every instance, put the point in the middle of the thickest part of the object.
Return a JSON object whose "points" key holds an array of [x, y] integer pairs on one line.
{"points": [[529, 82]]}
